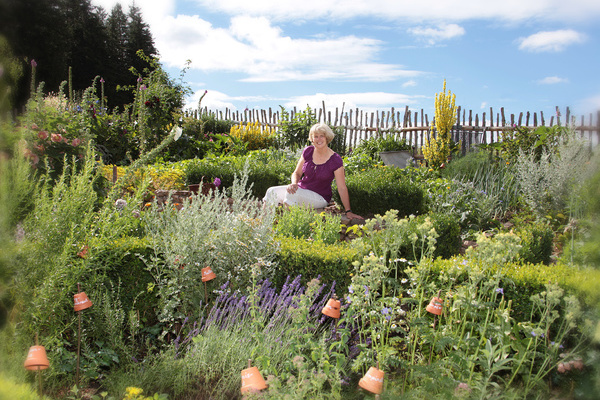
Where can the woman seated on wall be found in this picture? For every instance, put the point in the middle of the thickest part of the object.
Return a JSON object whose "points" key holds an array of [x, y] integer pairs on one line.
{"points": [[311, 180]]}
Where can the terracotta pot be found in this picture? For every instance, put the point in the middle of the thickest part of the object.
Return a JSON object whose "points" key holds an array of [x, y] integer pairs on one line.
{"points": [[208, 274], [81, 301], [36, 359], [435, 306], [252, 380], [372, 381], [332, 309]]}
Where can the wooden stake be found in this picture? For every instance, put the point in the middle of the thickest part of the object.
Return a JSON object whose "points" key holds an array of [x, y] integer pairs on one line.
{"points": [[78, 341]]}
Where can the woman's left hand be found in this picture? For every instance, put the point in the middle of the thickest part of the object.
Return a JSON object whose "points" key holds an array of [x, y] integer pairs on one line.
{"points": [[351, 215]]}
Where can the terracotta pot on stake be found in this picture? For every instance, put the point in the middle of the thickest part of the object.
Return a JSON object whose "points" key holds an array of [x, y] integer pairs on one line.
{"points": [[372, 381], [435, 307], [37, 360], [252, 380], [81, 302], [207, 275], [332, 309]]}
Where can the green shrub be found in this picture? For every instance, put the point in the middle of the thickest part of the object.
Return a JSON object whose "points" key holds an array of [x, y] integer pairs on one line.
{"points": [[293, 131], [449, 241], [411, 238], [311, 258], [378, 190], [536, 241], [306, 223]]}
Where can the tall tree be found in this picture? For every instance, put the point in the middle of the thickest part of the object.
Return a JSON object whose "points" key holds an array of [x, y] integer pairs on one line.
{"points": [[139, 37], [87, 48], [118, 73], [35, 30]]}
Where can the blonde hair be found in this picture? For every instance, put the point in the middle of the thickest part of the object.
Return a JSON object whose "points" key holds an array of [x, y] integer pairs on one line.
{"points": [[321, 128]]}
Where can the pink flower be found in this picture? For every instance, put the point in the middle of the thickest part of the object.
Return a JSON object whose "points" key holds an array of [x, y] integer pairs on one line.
{"points": [[33, 63], [56, 137], [76, 142], [34, 126], [39, 148], [43, 135]]}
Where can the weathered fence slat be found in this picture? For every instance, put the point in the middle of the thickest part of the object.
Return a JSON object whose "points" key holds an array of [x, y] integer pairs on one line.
{"points": [[415, 126]]}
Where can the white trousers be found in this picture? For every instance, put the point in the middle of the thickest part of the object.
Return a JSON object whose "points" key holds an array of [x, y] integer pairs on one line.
{"points": [[303, 197]]}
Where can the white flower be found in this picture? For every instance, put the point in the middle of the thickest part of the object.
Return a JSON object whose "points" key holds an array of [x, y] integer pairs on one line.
{"points": [[177, 132], [120, 204]]}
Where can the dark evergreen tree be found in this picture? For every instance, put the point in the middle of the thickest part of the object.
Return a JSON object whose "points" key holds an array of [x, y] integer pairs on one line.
{"points": [[139, 37], [59, 34], [87, 48], [118, 69], [35, 30]]}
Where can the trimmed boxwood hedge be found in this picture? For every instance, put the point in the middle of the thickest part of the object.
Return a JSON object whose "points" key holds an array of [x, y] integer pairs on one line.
{"points": [[332, 262], [378, 190]]}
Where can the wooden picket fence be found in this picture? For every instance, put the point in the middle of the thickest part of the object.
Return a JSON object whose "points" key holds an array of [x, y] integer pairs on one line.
{"points": [[415, 126]]}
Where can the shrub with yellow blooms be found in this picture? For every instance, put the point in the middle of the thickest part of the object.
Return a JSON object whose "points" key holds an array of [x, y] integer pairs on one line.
{"points": [[436, 150], [254, 134]]}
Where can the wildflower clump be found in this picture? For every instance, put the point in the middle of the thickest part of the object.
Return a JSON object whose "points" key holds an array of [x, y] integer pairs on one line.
{"points": [[437, 149], [254, 135]]}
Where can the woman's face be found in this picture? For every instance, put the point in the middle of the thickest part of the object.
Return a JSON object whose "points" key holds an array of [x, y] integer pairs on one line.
{"points": [[319, 140]]}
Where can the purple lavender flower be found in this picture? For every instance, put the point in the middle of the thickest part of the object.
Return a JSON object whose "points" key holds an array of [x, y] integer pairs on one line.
{"points": [[217, 182], [500, 290]]}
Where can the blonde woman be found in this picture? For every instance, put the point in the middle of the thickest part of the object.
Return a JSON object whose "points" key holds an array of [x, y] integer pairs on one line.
{"points": [[311, 180]]}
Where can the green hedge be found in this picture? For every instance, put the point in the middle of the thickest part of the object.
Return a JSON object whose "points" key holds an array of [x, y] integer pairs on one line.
{"points": [[333, 262], [265, 169], [378, 190], [537, 240], [521, 280]]}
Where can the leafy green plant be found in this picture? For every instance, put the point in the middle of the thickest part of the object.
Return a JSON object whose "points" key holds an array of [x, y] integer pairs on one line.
{"points": [[293, 131], [537, 243], [376, 144]]}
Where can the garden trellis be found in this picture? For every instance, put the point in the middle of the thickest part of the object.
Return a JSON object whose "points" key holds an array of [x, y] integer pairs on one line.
{"points": [[415, 126]]}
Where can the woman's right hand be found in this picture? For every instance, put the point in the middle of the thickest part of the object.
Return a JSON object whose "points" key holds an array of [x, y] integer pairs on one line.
{"points": [[292, 187]]}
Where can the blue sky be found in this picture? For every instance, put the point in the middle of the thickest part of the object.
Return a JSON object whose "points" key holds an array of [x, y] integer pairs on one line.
{"points": [[523, 55]]}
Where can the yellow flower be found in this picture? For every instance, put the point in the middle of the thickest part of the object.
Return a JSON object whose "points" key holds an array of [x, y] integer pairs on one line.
{"points": [[133, 391]]}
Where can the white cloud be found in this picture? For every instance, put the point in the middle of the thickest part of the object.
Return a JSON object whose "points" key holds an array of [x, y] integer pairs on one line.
{"points": [[589, 104], [483, 105], [553, 41], [411, 11], [552, 80], [410, 83], [215, 100], [252, 46], [366, 102], [434, 35]]}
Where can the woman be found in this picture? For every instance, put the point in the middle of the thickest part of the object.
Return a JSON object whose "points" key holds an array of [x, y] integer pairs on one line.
{"points": [[311, 180]]}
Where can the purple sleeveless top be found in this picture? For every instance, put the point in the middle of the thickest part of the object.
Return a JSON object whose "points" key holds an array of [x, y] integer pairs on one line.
{"points": [[318, 177]]}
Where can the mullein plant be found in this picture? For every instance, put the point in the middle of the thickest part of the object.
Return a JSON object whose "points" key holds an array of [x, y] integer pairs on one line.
{"points": [[437, 149]]}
